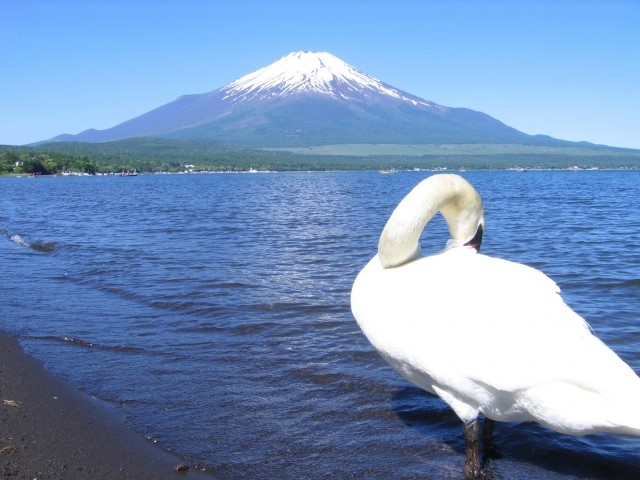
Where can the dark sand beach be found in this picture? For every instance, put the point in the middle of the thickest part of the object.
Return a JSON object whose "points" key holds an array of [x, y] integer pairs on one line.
{"points": [[48, 430]]}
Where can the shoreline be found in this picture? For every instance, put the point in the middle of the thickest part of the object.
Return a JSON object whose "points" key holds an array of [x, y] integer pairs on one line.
{"points": [[433, 169], [49, 430]]}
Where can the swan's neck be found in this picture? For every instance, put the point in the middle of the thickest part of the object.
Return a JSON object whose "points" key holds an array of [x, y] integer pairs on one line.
{"points": [[448, 194]]}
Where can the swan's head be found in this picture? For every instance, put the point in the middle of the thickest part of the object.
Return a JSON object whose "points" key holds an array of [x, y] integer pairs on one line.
{"points": [[451, 195], [465, 217], [476, 241]]}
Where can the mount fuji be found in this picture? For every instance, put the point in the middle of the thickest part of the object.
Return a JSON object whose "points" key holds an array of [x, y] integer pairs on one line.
{"points": [[308, 99]]}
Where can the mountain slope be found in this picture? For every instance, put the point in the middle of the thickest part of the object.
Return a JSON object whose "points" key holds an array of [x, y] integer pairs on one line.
{"points": [[308, 98]]}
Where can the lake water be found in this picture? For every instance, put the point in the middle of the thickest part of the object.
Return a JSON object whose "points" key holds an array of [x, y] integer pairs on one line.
{"points": [[213, 311]]}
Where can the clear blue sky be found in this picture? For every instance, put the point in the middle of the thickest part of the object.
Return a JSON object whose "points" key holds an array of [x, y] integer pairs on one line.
{"points": [[569, 69]]}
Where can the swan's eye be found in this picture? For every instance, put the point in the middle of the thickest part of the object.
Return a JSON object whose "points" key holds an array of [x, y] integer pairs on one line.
{"points": [[476, 240]]}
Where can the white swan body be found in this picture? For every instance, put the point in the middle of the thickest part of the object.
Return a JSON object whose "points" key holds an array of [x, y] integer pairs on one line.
{"points": [[488, 336]]}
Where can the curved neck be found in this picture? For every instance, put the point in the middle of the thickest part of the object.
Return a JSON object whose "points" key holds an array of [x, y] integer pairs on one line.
{"points": [[448, 194]]}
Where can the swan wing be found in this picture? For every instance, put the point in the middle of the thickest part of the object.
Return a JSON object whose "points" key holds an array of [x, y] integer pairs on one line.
{"points": [[484, 331]]}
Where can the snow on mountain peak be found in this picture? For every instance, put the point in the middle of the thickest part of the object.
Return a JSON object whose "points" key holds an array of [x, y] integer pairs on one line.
{"points": [[310, 72]]}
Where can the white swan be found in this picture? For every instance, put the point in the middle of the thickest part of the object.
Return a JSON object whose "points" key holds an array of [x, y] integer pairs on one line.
{"points": [[488, 336]]}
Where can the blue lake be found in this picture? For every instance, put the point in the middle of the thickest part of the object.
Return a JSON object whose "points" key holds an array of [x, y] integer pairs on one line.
{"points": [[213, 312]]}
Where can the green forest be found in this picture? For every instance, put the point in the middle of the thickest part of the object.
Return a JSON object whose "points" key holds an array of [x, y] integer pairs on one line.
{"points": [[151, 155], [20, 161]]}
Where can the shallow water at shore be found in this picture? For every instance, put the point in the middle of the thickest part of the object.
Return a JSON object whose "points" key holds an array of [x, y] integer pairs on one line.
{"points": [[213, 310]]}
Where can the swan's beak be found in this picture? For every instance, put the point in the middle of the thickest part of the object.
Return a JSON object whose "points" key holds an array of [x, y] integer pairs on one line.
{"points": [[476, 240]]}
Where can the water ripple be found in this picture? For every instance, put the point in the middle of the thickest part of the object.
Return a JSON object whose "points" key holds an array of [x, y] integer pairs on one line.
{"points": [[221, 302]]}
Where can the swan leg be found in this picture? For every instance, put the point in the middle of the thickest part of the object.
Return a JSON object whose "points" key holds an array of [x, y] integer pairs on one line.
{"points": [[472, 467], [487, 430], [490, 449]]}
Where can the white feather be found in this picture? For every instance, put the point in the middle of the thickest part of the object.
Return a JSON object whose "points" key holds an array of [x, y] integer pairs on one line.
{"points": [[490, 336]]}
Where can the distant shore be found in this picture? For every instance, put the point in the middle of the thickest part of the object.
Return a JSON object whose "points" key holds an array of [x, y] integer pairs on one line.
{"points": [[158, 155], [48, 430], [574, 168]]}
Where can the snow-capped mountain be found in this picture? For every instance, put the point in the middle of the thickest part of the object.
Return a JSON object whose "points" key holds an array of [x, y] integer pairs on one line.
{"points": [[309, 98], [311, 73]]}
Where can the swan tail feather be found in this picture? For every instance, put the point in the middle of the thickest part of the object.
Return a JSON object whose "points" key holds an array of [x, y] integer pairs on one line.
{"points": [[574, 410]]}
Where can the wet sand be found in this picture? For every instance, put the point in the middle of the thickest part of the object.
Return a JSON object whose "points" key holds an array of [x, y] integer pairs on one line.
{"points": [[48, 430]]}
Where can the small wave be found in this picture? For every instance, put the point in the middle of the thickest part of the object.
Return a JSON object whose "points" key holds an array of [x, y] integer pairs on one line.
{"points": [[23, 241], [222, 285], [19, 240], [610, 285], [250, 329], [84, 343], [202, 329], [77, 341]]}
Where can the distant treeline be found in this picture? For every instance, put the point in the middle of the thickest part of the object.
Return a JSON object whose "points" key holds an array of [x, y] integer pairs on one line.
{"points": [[147, 155], [15, 160]]}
